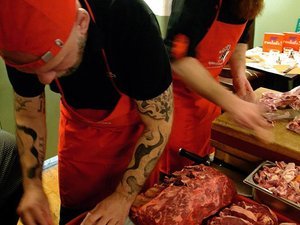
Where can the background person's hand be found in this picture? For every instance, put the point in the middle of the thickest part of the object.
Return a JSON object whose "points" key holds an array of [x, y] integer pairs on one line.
{"points": [[243, 89], [250, 115]]}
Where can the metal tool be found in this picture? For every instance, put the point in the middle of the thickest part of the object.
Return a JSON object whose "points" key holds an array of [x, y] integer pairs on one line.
{"points": [[194, 157]]}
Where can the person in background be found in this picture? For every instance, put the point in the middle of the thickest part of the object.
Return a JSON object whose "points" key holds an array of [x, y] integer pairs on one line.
{"points": [[109, 63], [202, 37], [10, 179]]}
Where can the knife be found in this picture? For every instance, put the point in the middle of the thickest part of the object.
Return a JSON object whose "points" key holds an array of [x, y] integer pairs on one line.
{"points": [[194, 157], [281, 115]]}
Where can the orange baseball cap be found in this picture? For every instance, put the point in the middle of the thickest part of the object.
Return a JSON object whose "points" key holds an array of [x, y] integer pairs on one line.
{"points": [[35, 27]]}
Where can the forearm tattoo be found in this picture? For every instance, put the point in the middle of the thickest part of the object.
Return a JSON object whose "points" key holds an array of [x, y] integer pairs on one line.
{"points": [[160, 107], [33, 171], [141, 151], [153, 142], [38, 153], [21, 104]]}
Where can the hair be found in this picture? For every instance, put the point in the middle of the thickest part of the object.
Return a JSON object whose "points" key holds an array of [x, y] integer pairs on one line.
{"points": [[247, 9]]}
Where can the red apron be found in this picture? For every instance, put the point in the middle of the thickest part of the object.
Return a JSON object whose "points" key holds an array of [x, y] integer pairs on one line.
{"points": [[94, 153], [193, 114]]}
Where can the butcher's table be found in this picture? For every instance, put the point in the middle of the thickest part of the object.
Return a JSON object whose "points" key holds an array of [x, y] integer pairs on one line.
{"points": [[230, 138]]}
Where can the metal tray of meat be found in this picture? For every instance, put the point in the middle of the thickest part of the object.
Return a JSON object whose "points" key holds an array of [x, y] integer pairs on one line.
{"points": [[250, 181]]}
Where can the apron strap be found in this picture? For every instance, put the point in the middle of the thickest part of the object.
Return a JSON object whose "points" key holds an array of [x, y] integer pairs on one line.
{"points": [[110, 74]]}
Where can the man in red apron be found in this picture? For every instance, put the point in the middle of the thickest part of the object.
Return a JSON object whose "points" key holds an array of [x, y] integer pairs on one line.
{"points": [[202, 37], [108, 61]]}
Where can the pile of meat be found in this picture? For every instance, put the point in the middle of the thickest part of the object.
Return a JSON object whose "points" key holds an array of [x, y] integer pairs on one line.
{"points": [[282, 180], [274, 101], [245, 213], [294, 125], [188, 197]]}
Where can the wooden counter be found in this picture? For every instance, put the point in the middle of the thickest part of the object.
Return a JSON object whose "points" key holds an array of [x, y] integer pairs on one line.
{"points": [[230, 137]]}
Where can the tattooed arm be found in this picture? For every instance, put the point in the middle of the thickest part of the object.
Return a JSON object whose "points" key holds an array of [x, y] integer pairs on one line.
{"points": [[31, 141], [157, 116]]}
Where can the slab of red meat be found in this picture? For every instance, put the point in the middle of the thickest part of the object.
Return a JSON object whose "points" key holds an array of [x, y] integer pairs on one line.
{"points": [[193, 194], [245, 213], [229, 220]]}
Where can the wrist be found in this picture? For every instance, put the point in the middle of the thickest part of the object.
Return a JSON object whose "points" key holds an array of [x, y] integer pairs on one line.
{"points": [[30, 184], [231, 103], [129, 196]]}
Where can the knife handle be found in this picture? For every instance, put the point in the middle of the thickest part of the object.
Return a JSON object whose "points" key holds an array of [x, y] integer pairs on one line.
{"points": [[194, 157]]}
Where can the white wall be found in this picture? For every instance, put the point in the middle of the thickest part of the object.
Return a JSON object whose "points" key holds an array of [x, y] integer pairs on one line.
{"points": [[160, 7]]}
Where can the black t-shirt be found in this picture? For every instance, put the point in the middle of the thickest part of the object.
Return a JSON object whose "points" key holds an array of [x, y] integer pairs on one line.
{"points": [[193, 18], [129, 32]]}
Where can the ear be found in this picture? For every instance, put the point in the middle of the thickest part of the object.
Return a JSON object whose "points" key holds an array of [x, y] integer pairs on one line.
{"points": [[82, 20]]}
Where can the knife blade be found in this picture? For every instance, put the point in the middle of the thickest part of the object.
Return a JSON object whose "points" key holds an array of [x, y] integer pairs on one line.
{"points": [[194, 157], [281, 115]]}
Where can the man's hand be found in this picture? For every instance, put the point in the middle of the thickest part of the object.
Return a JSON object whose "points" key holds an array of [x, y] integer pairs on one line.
{"points": [[34, 207], [111, 211], [250, 115], [243, 89]]}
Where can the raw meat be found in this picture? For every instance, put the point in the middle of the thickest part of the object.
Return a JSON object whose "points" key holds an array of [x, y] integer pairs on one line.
{"points": [[245, 213], [273, 101], [190, 196], [294, 125], [282, 179]]}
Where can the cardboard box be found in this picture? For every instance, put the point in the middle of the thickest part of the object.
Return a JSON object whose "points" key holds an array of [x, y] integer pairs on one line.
{"points": [[273, 41], [292, 40]]}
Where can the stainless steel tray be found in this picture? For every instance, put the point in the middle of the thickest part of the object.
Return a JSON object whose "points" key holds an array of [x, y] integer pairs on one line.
{"points": [[249, 180]]}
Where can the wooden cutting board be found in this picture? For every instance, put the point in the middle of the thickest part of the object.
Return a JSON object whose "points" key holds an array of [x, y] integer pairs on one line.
{"points": [[285, 146]]}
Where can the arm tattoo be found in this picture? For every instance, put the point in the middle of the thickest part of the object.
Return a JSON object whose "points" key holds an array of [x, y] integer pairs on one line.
{"points": [[159, 107], [159, 112], [42, 103], [143, 150], [133, 184], [32, 171], [21, 104], [28, 131]]}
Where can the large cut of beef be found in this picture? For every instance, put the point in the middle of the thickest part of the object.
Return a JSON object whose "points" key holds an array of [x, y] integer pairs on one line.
{"points": [[245, 213], [187, 198]]}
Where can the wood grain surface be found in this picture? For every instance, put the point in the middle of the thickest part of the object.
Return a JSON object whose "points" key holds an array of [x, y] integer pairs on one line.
{"points": [[285, 144]]}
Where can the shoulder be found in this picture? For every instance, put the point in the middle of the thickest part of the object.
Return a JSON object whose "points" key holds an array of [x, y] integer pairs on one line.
{"points": [[133, 13], [191, 18]]}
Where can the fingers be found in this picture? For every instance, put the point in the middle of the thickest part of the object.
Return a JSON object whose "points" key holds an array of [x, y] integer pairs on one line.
{"points": [[35, 215], [261, 126], [35, 218], [94, 219], [89, 219]]}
